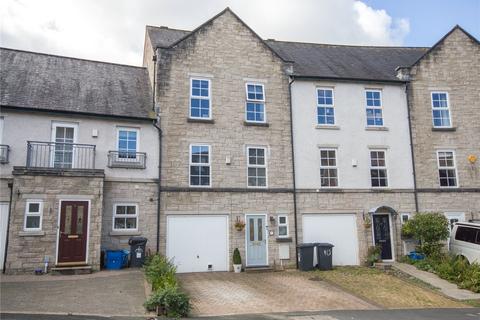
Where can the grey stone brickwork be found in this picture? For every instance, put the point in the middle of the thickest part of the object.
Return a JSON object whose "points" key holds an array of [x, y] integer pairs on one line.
{"points": [[144, 195], [230, 55], [27, 251], [452, 66]]}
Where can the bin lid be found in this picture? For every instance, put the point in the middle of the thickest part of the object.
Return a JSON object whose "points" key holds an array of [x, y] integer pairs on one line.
{"points": [[137, 240], [324, 244], [306, 245]]}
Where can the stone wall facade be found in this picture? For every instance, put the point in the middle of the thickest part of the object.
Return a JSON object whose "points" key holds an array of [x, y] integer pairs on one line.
{"points": [[27, 250], [452, 66]]}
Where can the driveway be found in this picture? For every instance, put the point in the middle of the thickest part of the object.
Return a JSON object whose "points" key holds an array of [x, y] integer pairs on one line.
{"points": [[107, 293], [226, 293]]}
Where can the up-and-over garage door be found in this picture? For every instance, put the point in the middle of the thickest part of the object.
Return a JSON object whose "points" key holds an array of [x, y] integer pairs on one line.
{"points": [[198, 243], [337, 229]]}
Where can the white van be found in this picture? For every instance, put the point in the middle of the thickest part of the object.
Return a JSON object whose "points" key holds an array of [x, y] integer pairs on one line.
{"points": [[465, 241]]}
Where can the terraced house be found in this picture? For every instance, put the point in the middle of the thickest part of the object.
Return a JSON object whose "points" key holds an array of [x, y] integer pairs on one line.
{"points": [[223, 140]]}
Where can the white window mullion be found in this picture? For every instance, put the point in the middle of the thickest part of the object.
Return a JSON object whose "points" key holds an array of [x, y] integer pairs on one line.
{"points": [[33, 215], [200, 166], [257, 167], [447, 169], [328, 168]]}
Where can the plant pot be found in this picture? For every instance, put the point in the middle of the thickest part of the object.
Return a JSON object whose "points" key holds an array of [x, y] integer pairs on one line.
{"points": [[367, 225], [237, 268]]}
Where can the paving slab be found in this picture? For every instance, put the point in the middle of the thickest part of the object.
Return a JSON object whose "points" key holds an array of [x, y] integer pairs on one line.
{"points": [[226, 293], [119, 293], [447, 288]]}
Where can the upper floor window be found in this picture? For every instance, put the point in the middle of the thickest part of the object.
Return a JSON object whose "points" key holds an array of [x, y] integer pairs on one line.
{"points": [[125, 217], [378, 168], [325, 109], [374, 108], [127, 143], [255, 105], [200, 98], [328, 168], [33, 215], [257, 167], [447, 170], [440, 110], [200, 165]]}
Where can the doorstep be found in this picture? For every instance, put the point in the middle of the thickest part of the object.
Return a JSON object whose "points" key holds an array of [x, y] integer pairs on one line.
{"points": [[71, 270], [259, 269]]}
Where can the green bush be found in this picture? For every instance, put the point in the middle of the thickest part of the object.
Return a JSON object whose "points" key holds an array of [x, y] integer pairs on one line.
{"points": [[430, 229], [373, 255], [237, 259], [160, 272], [170, 302]]}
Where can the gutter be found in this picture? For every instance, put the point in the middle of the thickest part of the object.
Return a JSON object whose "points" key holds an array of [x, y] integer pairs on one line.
{"points": [[10, 185], [156, 124], [412, 153], [290, 82]]}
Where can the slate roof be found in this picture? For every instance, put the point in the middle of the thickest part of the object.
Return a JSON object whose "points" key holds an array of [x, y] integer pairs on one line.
{"points": [[48, 82], [324, 60]]}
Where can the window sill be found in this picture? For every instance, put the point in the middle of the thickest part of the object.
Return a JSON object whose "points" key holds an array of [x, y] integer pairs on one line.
{"points": [[125, 233], [444, 129], [380, 189], [283, 239], [200, 120], [255, 124], [321, 126], [31, 233], [376, 128]]}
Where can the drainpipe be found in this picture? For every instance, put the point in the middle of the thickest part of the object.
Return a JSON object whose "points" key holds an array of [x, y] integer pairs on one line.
{"points": [[10, 185], [415, 194], [156, 124], [290, 82]]}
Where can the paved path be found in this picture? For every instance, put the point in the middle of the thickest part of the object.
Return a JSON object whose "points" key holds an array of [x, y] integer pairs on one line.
{"points": [[447, 288], [224, 293], [102, 293]]}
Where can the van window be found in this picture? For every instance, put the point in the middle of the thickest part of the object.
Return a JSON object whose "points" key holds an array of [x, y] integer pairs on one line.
{"points": [[467, 234]]}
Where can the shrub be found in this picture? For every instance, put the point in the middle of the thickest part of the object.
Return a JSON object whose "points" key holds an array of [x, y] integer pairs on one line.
{"points": [[237, 259], [169, 301], [160, 272], [373, 255], [430, 229]]}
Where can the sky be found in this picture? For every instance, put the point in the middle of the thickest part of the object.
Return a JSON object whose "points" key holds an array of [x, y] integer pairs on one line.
{"points": [[114, 30]]}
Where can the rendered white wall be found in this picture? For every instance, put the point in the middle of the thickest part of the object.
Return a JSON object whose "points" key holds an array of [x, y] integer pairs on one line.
{"points": [[352, 139], [20, 127]]}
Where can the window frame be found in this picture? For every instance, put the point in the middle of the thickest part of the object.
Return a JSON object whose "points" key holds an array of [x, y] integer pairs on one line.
{"points": [[265, 152], [209, 98], [374, 107], [329, 167], [137, 149], [441, 108], [406, 214], [36, 214], [125, 216], [209, 164], [332, 106], [447, 168], [282, 225], [262, 101], [370, 167]]}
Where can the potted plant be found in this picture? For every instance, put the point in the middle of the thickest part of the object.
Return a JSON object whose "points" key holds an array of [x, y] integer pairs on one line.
{"points": [[367, 223], [237, 261], [239, 224], [373, 255]]}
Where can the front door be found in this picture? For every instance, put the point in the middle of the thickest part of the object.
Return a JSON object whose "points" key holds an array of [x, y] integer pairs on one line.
{"points": [[256, 240], [381, 234], [72, 241]]}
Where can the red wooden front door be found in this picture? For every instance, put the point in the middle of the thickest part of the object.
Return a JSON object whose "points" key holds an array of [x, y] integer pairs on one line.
{"points": [[72, 242]]}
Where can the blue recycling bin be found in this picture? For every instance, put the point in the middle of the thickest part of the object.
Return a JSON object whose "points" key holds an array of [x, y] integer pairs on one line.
{"points": [[116, 259]]}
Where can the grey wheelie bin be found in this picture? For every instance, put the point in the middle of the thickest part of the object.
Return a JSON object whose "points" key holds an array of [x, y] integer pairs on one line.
{"points": [[305, 256], [324, 255]]}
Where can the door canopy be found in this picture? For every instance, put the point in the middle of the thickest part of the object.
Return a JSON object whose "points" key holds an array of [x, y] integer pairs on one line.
{"points": [[383, 209]]}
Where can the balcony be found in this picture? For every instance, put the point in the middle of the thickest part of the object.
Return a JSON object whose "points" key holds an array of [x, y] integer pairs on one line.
{"points": [[4, 153], [59, 156], [127, 159]]}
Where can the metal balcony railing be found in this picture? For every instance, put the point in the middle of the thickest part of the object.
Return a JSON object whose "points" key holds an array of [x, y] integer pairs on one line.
{"points": [[127, 159], [56, 155], [4, 153]]}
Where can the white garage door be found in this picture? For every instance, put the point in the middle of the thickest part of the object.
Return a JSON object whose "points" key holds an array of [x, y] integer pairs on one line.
{"points": [[337, 229], [198, 243]]}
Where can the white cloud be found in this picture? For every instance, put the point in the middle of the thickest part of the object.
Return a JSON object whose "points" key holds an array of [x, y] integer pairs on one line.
{"points": [[113, 30]]}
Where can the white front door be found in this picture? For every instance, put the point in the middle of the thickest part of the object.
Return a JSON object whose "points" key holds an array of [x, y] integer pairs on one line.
{"points": [[198, 243], [256, 234], [3, 231]]}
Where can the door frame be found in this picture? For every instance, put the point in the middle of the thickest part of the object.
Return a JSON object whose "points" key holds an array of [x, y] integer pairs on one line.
{"points": [[58, 226], [392, 238], [266, 238], [196, 215]]}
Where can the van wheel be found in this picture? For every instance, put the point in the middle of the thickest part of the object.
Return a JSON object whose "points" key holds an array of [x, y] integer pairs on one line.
{"points": [[463, 259]]}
